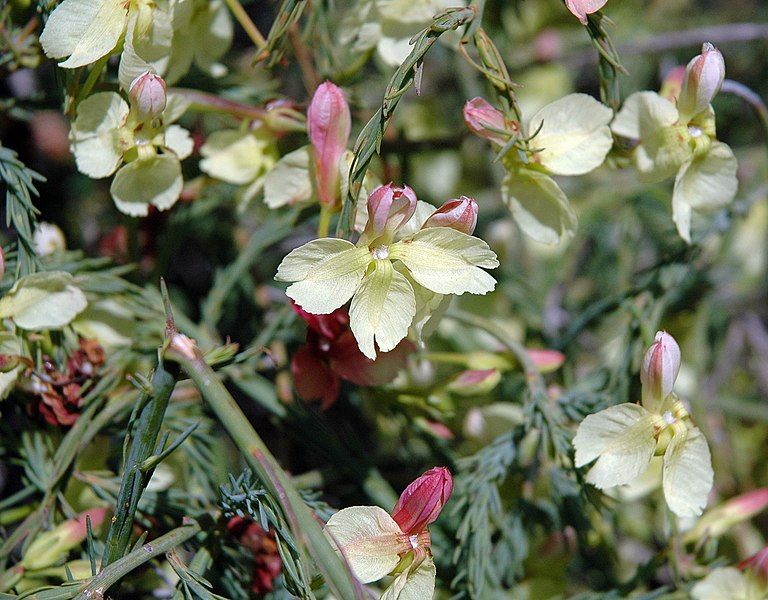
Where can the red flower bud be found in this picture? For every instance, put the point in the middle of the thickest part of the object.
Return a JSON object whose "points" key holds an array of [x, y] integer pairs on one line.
{"points": [[460, 215], [421, 502]]}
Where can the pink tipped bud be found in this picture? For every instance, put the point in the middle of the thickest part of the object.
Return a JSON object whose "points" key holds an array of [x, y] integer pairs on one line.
{"points": [[389, 207], [50, 547], [661, 364], [421, 502], [546, 360], [672, 84], [329, 123], [460, 215], [147, 93], [474, 382], [758, 565], [581, 8], [722, 518], [703, 77], [486, 121]]}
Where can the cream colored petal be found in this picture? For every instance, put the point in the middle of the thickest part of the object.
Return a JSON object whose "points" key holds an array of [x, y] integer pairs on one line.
{"points": [[290, 180], [688, 474], [573, 134], [140, 183], [382, 309], [233, 156], [419, 585], [621, 438], [326, 271], [447, 261], [179, 141], [83, 30], [368, 537], [539, 206], [47, 300]]}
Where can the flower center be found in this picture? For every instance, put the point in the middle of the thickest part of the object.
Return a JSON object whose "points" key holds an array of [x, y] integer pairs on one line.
{"points": [[414, 539], [380, 252], [695, 131], [669, 418]]}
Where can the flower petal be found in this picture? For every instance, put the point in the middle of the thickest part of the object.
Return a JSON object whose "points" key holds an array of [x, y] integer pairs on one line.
{"points": [[447, 261], [313, 378], [621, 438], [723, 584], [326, 271], [688, 473], [236, 157], [154, 181], [349, 363], [416, 585], [382, 309], [47, 300], [290, 181], [539, 206], [84, 30], [368, 538], [573, 134], [179, 141], [705, 183], [96, 134]]}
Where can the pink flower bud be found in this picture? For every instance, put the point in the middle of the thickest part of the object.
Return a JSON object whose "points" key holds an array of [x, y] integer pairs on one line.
{"points": [[421, 502], [582, 8], [672, 84], [486, 121], [329, 123], [546, 360], [474, 382], [722, 518], [389, 207], [661, 364], [460, 215], [147, 93], [703, 77]]}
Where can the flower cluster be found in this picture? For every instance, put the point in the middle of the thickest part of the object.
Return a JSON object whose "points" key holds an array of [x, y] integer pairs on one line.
{"points": [[567, 137], [400, 268], [679, 140], [376, 544], [624, 439], [108, 133]]}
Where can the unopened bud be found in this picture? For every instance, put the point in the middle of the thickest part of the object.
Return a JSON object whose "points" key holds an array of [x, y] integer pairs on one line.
{"points": [[421, 502], [48, 239], [475, 382], [703, 77], [9, 362], [546, 360], [329, 123], [581, 8], [147, 93], [720, 519], [661, 364], [486, 121], [460, 215], [389, 207], [50, 547]]}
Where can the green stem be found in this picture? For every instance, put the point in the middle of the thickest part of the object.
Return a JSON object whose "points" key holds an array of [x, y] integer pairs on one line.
{"points": [[147, 430], [111, 574], [93, 77], [323, 227], [303, 523], [246, 23]]}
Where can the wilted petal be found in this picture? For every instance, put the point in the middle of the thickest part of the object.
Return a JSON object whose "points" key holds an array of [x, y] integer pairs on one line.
{"points": [[351, 364], [313, 378]]}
